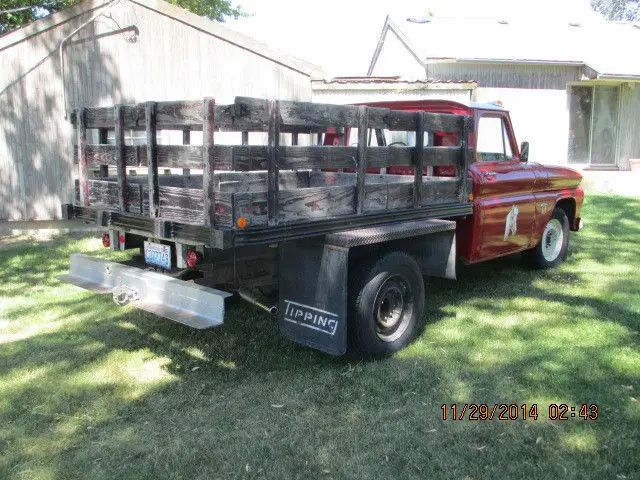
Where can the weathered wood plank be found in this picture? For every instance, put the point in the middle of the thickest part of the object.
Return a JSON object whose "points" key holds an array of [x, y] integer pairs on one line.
{"points": [[439, 190], [178, 114], [224, 210], [465, 160], [83, 168], [103, 138], [310, 203], [363, 129], [184, 205], [241, 157], [152, 159], [105, 195], [121, 166], [388, 156], [244, 182], [317, 157], [273, 166], [179, 156], [399, 195], [208, 160], [418, 159], [106, 155]]}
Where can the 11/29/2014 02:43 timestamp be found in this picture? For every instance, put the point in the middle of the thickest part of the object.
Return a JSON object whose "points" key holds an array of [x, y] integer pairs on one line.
{"points": [[515, 411]]}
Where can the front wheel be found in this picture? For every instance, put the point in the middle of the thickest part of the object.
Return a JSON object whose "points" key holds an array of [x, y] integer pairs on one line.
{"points": [[387, 306], [552, 248]]}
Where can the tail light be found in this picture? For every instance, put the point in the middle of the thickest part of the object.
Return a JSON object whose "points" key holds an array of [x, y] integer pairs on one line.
{"points": [[106, 240], [193, 258], [122, 239]]}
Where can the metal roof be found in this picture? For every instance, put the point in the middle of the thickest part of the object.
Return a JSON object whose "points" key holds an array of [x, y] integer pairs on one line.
{"points": [[609, 48]]}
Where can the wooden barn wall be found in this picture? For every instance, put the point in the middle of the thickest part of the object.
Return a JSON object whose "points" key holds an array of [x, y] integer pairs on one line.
{"points": [[537, 77], [629, 138], [162, 59]]}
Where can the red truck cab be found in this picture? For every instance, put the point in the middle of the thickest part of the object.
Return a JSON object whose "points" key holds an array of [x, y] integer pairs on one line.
{"points": [[518, 206]]}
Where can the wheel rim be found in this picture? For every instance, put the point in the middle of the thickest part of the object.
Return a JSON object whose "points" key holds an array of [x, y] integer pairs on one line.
{"points": [[392, 308], [552, 239]]}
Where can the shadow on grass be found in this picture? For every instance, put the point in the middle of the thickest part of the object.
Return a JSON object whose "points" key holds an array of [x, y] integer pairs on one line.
{"points": [[118, 392]]}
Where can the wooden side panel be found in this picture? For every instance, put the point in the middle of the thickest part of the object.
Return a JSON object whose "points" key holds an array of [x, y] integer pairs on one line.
{"points": [[185, 205]]}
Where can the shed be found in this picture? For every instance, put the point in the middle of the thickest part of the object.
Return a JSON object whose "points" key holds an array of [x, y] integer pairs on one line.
{"points": [[123, 51], [573, 89]]}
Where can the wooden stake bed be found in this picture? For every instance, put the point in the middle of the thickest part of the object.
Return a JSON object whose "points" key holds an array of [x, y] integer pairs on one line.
{"points": [[280, 191]]}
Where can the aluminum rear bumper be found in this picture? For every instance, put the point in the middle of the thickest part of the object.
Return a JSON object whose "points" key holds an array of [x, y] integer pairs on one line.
{"points": [[185, 302]]}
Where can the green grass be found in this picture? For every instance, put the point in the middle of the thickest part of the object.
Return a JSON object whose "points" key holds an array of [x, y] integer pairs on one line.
{"points": [[91, 390]]}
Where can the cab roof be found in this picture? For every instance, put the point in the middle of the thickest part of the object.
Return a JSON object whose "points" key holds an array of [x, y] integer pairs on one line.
{"points": [[436, 106]]}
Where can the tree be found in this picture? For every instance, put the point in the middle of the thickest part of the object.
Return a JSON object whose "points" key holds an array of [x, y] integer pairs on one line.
{"points": [[15, 13], [628, 10]]}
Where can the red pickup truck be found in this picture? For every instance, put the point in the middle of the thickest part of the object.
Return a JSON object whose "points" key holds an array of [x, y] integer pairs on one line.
{"points": [[339, 230], [518, 206]]}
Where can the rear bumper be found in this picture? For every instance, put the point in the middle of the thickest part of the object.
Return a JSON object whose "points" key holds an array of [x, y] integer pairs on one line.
{"points": [[184, 302]]}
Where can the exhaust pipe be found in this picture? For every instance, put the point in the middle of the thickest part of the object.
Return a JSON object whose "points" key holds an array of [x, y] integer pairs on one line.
{"points": [[251, 298]]}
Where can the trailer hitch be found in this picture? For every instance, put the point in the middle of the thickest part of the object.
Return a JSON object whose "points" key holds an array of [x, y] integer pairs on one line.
{"points": [[123, 294]]}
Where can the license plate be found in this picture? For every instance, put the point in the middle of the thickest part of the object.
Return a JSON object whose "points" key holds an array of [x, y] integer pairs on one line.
{"points": [[157, 254]]}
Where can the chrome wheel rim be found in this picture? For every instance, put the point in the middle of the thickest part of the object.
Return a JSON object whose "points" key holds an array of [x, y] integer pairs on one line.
{"points": [[392, 308], [552, 239]]}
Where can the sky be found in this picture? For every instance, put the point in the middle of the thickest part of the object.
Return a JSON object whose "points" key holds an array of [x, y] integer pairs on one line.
{"points": [[341, 35]]}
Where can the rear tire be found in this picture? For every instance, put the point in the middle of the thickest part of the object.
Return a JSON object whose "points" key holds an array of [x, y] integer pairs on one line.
{"points": [[552, 248], [387, 306]]}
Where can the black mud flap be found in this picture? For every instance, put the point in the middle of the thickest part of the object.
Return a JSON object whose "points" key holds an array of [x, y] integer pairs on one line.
{"points": [[313, 294]]}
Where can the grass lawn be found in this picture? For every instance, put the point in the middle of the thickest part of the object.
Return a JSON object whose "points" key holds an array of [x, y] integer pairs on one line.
{"points": [[91, 390]]}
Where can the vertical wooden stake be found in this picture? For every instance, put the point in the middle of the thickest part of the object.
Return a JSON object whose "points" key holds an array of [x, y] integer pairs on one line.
{"points": [[83, 167], [103, 139], [418, 160], [465, 160], [294, 138], [273, 166], [208, 159], [121, 164], [363, 130], [186, 140], [152, 159], [245, 138]]}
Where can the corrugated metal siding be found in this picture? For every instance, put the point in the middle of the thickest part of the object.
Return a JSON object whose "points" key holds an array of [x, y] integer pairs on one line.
{"points": [[167, 61], [553, 77], [629, 139]]}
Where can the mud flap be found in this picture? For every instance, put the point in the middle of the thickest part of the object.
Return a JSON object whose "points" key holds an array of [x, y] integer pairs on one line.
{"points": [[313, 295]]}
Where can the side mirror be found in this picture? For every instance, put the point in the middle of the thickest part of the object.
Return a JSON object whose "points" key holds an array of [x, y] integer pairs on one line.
{"points": [[524, 152]]}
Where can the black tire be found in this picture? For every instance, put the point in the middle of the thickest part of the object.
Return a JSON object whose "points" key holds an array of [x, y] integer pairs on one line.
{"points": [[386, 306], [552, 248]]}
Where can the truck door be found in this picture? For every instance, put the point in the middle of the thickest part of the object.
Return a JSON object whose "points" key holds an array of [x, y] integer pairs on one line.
{"points": [[503, 189]]}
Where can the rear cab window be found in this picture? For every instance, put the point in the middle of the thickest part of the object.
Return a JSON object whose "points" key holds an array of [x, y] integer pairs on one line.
{"points": [[493, 142]]}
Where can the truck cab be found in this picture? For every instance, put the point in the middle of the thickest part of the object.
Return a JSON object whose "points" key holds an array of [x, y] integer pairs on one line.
{"points": [[513, 199]]}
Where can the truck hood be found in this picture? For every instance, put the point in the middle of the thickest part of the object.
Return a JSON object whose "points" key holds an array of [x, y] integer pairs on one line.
{"points": [[560, 177]]}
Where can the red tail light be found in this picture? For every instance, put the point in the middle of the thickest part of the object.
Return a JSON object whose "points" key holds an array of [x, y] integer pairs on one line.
{"points": [[106, 240], [122, 239], [193, 258]]}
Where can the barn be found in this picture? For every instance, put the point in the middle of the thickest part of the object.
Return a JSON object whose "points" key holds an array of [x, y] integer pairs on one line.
{"points": [[573, 88], [102, 53]]}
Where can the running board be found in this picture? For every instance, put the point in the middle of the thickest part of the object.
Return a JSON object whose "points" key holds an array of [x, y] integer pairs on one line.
{"points": [[185, 302]]}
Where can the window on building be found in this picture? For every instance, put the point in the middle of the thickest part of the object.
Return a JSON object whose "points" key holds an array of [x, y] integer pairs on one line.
{"points": [[493, 142], [580, 103]]}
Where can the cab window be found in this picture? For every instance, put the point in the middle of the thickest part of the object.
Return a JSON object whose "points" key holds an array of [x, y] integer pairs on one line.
{"points": [[493, 141]]}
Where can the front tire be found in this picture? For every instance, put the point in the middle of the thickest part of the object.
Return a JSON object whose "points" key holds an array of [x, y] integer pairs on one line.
{"points": [[552, 248], [387, 306]]}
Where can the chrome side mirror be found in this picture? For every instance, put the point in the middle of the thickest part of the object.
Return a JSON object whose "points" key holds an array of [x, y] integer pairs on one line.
{"points": [[524, 152]]}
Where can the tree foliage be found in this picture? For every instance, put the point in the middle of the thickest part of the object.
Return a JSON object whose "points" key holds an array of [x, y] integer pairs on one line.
{"points": [[213, 9], [628, 10]]}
